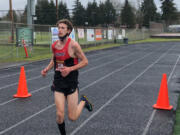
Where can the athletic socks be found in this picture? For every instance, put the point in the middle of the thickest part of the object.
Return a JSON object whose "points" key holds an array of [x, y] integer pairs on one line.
{"points": [[62, 128]]}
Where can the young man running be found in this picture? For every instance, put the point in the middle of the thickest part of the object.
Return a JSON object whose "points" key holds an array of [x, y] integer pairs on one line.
{"points": [[66, 53]]}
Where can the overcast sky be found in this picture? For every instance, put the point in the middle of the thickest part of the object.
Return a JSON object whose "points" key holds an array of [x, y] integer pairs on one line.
{"points": [[20, 4]]}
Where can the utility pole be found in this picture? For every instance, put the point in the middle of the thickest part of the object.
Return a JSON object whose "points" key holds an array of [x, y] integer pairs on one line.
{"points": [[12, 21], [57, 15], [30, 12]]}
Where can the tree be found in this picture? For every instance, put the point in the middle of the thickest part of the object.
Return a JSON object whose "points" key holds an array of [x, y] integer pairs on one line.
{"points": [[78, 14], [92, 13], [42, 11], [24, 15], [127, 15], [169, 10], [38, 14], [52, 13], [45, 12], [101, 13], [63, 11], [149, 13], [110, 13], [8, 16], [139, 17], [117, 4]]}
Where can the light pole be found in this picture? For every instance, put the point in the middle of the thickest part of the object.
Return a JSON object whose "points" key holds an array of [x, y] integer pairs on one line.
{"points": [[12, 21]]}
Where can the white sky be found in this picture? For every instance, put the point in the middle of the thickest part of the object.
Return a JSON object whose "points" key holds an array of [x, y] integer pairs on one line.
{"points": [[20, 4]]}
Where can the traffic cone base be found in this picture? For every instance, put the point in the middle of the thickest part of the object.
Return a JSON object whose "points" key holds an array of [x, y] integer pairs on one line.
{"points": [[22, 96], [164, 108]]}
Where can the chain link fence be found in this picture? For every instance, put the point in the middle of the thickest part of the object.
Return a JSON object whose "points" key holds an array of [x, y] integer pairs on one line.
{"points": [[42, 39]]}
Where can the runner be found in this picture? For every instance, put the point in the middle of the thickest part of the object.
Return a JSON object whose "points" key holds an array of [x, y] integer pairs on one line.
{"points": [[65, 60]]}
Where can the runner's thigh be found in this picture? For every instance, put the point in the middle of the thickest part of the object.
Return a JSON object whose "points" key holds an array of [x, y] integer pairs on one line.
{"points": [[72, 100], [59, 101]]}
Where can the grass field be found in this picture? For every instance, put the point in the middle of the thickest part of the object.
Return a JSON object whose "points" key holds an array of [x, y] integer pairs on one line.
{"points": [[177, 122], [15, 54]]}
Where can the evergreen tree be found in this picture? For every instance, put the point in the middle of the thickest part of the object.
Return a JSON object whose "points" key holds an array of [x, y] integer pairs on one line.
{"points": [[127, 15], [78, 14], [92, 13], [169, 11], [52, 13], [139, 17], [89, 14], [63, 11], [8, 16], [149, 13], [110, 13], [101, 14], [24, 15], [45, 12], [38, 14]]}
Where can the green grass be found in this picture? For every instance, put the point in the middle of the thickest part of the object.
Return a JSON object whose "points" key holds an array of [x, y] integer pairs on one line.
{"points": [[100, 47], [148, 40], [9, 53], [177, 121], [17, 54]]}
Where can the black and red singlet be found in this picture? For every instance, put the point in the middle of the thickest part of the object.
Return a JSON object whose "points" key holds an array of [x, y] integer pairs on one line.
{"points": [[62, 58]]}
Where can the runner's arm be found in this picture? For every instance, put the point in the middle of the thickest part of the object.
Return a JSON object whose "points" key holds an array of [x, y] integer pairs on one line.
{"points": [[46, 69], [50, 65], [80, 55]]}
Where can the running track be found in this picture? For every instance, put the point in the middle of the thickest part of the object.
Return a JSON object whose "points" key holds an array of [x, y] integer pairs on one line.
{"points": [[123, 84]]}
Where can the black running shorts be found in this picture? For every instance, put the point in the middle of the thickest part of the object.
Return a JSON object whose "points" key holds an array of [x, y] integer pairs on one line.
{"points": [[65, 91], [66, 85]]}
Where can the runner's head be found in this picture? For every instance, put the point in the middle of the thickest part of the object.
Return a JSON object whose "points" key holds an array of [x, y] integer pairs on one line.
{"points": [[68, 24]]}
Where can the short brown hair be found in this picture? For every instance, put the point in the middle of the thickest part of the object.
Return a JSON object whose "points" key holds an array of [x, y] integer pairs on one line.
{"points": [[67, 22]]}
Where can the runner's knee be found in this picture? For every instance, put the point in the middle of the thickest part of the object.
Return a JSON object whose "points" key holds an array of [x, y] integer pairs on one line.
{"points": [[59, 116], [72, 116]]}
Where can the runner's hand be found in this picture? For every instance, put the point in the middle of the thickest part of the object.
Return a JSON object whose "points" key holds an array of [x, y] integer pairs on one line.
{"points": [[65, 71], [44, 72]]}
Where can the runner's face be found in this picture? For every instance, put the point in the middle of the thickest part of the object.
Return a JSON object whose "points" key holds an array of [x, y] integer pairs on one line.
{"points": [[63, 30]]}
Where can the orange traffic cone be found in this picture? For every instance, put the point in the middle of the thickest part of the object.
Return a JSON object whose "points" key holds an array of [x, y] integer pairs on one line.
{"points": [[22, 91], [163, 101]]}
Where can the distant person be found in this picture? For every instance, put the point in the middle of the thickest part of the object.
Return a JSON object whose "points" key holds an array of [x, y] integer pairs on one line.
{"points": [[66, 53]]}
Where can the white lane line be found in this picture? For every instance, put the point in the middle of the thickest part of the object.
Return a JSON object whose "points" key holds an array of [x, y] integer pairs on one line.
{"points": [[24, 120], [36, 77], [117, 94], [4, 103], [17, 73], [170, 76], [154, 111], [34, 91], [108, 63], [84, 88]]}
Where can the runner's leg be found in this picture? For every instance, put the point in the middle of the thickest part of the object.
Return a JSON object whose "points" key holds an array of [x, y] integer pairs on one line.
{"points": [[74, 109], [60, 103]]}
